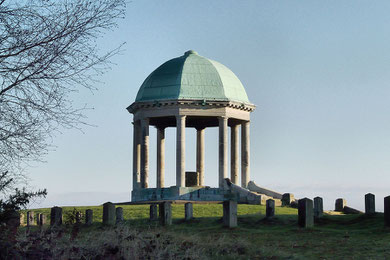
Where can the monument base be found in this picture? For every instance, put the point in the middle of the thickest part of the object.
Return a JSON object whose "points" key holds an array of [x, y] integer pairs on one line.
{"points": [[199, 193]]}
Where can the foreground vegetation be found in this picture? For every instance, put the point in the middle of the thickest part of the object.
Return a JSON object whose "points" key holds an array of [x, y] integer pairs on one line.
{"points": [[333, 237]]}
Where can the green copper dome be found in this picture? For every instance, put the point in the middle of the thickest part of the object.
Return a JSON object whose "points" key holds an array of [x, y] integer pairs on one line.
{"points": [[192, 77]]}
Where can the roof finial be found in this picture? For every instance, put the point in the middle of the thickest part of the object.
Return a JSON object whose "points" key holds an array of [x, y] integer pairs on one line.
{"points": [[187, 53]]}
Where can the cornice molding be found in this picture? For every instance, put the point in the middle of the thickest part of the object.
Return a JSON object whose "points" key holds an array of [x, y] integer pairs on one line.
{"points": [[201, 104]]}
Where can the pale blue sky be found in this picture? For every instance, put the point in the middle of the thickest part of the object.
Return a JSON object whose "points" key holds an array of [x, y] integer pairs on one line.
{"points": [[318, 72]]}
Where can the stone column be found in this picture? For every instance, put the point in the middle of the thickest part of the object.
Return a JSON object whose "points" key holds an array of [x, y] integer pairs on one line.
{"points": [[200, 154], [245, 154], [234, 167], [144, 152], [223, 152], [160, 156], [180, 150], [136, 155]]}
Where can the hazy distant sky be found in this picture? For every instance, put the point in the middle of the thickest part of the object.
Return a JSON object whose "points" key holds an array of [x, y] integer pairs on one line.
{"points": [[318, 72]]}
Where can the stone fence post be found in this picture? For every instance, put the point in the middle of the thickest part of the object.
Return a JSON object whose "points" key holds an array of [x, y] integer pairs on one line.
{"points": [[30, 218], [56, 216], [119, 214], [230, 213], [153, 213], [318, 207], [109, 213], [305, 213], [165, 209], [369, 200], [41, 219], [340, 204], [287, 199], [387, 211], [88, 217], [188, 211], [270, 208]]}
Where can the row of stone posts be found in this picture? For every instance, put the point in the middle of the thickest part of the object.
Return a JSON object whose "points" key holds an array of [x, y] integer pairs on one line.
{"points": [[163, 211], [32, 219], [308, 210], [111, 214], [369, 205], [307, 213]]}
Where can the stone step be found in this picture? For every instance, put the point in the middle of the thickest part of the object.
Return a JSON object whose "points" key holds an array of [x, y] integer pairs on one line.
{"points": [[264, 199]]}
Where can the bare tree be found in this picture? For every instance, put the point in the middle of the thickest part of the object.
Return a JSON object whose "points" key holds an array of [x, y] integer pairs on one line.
{"points": [[48, 50]]}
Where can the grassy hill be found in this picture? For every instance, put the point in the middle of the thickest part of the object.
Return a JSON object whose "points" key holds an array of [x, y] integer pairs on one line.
{"points": [[333, 237]]}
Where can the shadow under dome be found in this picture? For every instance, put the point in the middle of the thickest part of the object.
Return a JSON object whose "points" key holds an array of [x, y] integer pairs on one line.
{"points": [[191, 121]]}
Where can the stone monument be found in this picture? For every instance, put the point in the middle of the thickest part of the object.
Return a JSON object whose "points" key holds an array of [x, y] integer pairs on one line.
{"points": [[196, 92]]}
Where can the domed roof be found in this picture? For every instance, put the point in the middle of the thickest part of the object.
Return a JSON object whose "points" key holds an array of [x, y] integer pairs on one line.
{"points": [[192, 77]]}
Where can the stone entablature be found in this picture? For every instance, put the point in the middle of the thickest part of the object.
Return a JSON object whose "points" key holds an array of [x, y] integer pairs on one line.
{"points": [[204, 104]]}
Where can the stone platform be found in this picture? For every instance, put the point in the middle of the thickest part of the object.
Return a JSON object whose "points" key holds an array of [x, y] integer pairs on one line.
{"points": [[200, 193]]}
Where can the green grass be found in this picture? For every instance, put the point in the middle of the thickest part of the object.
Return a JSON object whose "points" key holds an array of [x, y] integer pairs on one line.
{"points": [[333, 237]]}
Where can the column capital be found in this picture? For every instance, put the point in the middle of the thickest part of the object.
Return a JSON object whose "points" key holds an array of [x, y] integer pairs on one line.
{"points": [[135, 122], [235, 125], [200, 128], [162, 128], [180, 116], [223, 118]]}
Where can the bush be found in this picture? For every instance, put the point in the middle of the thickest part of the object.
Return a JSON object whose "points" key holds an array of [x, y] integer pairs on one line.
{"points": [[12, 200]]}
